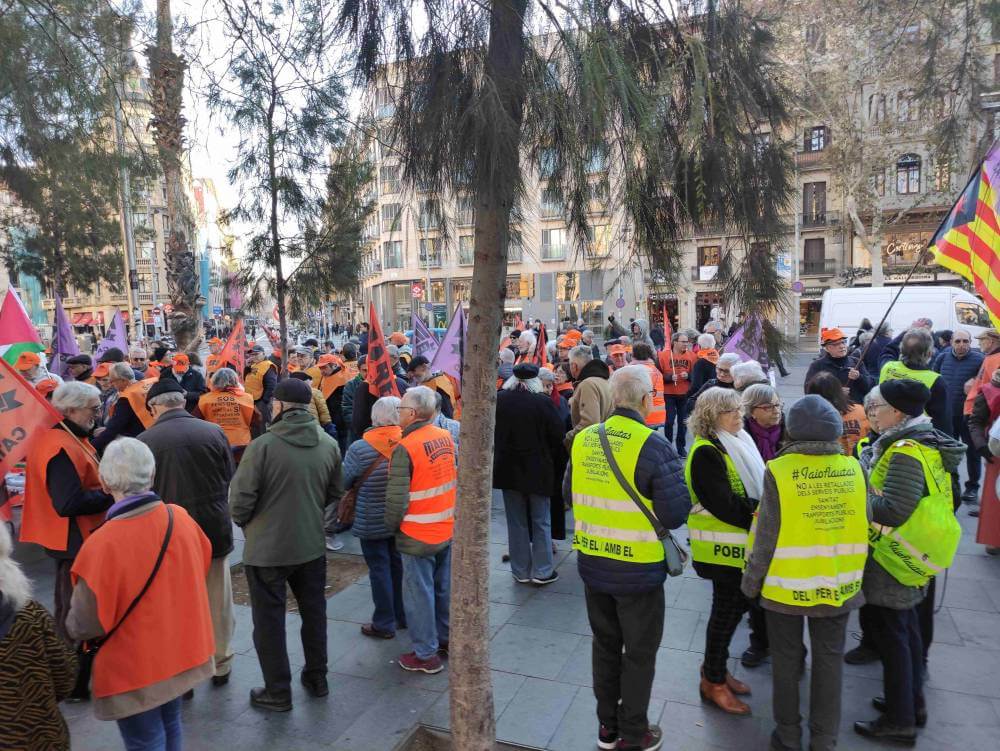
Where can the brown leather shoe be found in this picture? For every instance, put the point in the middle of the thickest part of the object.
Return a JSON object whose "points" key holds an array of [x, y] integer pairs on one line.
{"points": [[720, 695], [737, 687]]}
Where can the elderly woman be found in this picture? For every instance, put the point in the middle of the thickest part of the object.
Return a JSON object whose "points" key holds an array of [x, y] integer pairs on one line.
{"points": [[723, 377], [528, 440], [703, 369], [827, 385], [366, 472], [63, 500], [725, 475], [140, 591], [747, 373], [42, 662], [231, 408]]}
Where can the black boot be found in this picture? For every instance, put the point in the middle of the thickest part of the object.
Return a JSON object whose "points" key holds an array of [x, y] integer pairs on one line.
{"points": [[881, 730], [259, 697], [921, 714]]}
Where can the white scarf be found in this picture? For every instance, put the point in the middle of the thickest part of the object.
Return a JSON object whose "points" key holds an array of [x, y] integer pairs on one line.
{"points": [[747, 460]]}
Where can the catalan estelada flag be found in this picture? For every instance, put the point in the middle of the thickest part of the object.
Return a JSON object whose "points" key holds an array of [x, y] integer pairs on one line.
{"points": [[968, 240]]}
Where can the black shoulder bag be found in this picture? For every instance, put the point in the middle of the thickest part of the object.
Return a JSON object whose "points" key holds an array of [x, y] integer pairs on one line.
{"points": [[95, 645], [673, 553]]}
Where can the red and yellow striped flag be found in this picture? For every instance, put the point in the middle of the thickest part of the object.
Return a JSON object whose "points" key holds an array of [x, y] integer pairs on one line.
{"points": [[968, 240]]}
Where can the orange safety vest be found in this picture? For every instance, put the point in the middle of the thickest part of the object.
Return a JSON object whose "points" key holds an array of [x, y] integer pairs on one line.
{"points": [[658, 414], [254, 383], [136, 395], [446, 385], [212, 364], [170, 629], [430, 517], [329, 384], [232, 410], [41, 524]]}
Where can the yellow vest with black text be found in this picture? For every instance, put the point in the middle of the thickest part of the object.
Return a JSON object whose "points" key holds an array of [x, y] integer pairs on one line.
{"points": [[895, 369], [925, 544], [608, 524], [822, 542], [254, 383], [713, 540]]}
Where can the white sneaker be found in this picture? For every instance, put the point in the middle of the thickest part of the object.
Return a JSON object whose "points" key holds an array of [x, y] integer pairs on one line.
{"points": [[332, 543]]}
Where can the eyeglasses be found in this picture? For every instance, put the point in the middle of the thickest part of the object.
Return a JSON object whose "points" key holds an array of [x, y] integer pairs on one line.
{"points": [[722, 371], [770, 407], [409, 408], [961, 341]]}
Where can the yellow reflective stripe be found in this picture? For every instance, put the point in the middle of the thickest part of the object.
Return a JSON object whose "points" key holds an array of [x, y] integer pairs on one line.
{"points": [[813, 582], [431, 492], [619, 505], [440, 516], [613, 533], [698, 509], [821, 551], [704, 535]]}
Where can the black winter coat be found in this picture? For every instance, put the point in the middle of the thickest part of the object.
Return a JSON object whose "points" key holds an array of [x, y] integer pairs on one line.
{"points": [[364, 400], [841, 367], [527, 437], [194, 465]]}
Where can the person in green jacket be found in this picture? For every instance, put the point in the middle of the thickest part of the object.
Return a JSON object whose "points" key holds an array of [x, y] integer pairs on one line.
{"points": [[278, 496]]}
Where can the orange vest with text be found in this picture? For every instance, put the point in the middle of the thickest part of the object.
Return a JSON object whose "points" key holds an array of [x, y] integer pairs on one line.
{"points": [[40, 523], [136, 395], [430, 517], [231, 410], [170, 629], [658, 414]]}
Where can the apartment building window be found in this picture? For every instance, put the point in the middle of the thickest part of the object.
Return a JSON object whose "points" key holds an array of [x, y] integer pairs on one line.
{"points": [[942, 174], [816, 37], [552, 204], [817, 138], [392, 252], [598, 240], [466, 250], [547, 158], [553, 244], [762, 142], [597, 159], [429, 214], [878, 181], [389, 176], [430, 252], [515, 251], [384, 105], [814, 256], [597, 195], [908, 174], [813, 204], [465, 212], [907, 107], [391, 216], [371, 229], [876, 108], [709, 258]]}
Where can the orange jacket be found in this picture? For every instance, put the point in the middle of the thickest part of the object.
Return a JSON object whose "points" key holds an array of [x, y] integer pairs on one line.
{"points": [[430, 516], [682, 364], [658, 414], [231, 410], [41, 523], [986, 370]]}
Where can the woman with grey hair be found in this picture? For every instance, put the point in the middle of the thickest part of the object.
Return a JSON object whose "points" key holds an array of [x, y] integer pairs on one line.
{"points": [[746, 373], [703, 369], [41, 660], [725, 475], [366, 472], [140, 589], [232, 409]]}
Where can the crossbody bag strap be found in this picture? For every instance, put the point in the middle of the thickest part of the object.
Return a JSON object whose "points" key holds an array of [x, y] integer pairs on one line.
{"points": [[368, 472], [660, 530], [152, 575]]}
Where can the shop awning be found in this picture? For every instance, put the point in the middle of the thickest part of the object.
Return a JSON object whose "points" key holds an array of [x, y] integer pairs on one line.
{"points": [[83, 319]]}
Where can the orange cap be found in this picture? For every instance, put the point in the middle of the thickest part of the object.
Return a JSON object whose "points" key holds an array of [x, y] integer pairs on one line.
{"points": [[828, 336], [215, 340], [616, 349], [102, 370], [181, 363], [329, 360], [27, 361], [398, 338], [46, 387]]}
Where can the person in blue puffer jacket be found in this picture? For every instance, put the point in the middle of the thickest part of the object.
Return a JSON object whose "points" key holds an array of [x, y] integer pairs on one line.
{"points": [[957, 365], [367, 465]]}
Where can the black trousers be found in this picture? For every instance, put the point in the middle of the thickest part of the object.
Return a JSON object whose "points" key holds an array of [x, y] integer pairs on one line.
{"points": [[758, 627], [925, 620], [728, 606], [627, 631], [267, 601], [897, 637]]}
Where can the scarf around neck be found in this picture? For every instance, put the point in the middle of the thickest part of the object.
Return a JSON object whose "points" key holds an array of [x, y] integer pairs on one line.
{"points": [[747, 460], [766, 439], [384, 439]]}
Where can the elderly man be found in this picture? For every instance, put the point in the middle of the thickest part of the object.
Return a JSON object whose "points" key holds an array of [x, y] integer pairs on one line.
{"points": [[420, 510], [619, 555], [587, 340], [29, 365], [591, 402], [81, 367], [138, 358], [915, 352], [676, 365], [418, 373], [194, 465], [852, 374], [891, 351], [279, 493], [989, 344], [128, 416], [260, 380], [394, 363], [334, 375], [63, 500], [958, 365], [214, 360], [301, 359]]}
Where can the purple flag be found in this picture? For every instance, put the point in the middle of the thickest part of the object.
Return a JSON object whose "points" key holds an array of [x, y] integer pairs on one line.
{"points": [[117, 337], [448, 359], [748, 342], [424, 342], [64, 344]]}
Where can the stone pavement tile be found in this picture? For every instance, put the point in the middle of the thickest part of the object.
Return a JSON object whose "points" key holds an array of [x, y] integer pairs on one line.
{"points": [[695, 594], [388, 718], [505, 685], [679, 627], [979, 566], [569, 582], [578, 729], [700, 727], [977, 629], [969, 594], [504, 589], [378, 659], [500, 613], [354, 603], [677, 675], [535, 652], [558, 612], [578, 668], [535, 712], [945, 630], [964, 670]]}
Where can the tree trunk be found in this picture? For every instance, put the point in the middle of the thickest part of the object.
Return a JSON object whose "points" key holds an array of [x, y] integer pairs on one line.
{"points": [[471, 692], [167, 73], [279, 276]]}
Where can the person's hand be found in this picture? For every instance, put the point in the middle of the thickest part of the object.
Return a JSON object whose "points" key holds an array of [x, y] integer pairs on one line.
{"points": [[98, 431], [853, 374], [684, 375], [674, 378], [984, 451]]}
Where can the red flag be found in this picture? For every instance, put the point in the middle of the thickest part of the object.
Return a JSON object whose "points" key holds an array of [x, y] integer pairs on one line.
{"points": [[234, 350], [541, 348], [271, 337], [381, 381], [24, 416]]}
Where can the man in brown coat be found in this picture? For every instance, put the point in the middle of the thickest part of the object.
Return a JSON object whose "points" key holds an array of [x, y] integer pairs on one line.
{"points": [[591, 402]]}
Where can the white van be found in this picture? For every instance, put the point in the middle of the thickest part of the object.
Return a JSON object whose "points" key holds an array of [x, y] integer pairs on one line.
{"points": [[947, 307]]}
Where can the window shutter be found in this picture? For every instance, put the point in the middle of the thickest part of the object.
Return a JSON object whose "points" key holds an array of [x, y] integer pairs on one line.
{"points": [[805, 141]]}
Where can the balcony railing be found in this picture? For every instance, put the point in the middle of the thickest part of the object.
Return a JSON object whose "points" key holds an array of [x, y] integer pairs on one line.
{"points": [[813, 219], [818, 267], [145, 297], [553, 210], [810, 158]]}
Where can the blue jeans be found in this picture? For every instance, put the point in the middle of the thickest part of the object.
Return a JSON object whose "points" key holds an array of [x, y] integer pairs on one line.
{"points": [[426, 592], [530, 551], [157, 729], [676, 412], [385, 572]]}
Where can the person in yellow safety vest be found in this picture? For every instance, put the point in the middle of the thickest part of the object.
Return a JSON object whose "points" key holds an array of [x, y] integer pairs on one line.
{"points": [[302, 358], [805, 560], [916, 350], [642, 354], [913, 537], [619, 556], [260, 379], [725, 474]]}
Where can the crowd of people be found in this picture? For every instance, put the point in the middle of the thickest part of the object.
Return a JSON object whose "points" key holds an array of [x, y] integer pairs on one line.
{"points": [[846, 501]]}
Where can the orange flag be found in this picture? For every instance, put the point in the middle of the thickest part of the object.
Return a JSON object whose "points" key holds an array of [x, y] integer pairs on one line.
{"points": [[24, 416], [541, 348], [381, 381], [235, 349]]}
